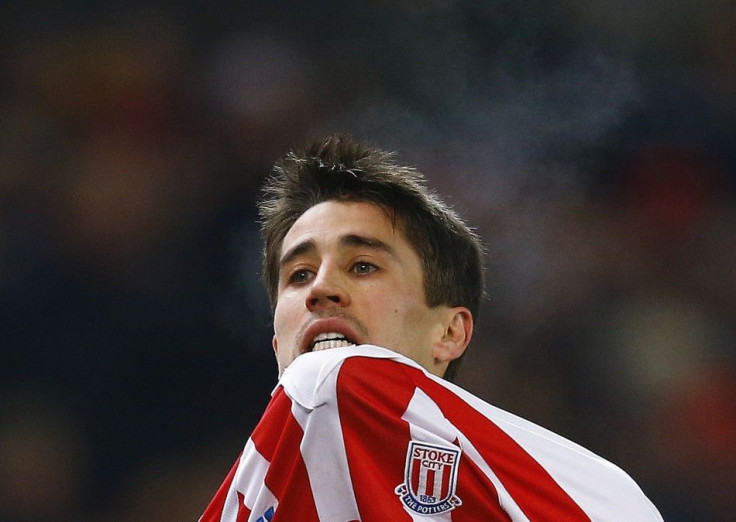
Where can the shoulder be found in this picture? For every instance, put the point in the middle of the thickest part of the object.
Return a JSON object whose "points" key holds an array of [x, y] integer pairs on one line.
{"points": [[367, 383], [600, 488]]}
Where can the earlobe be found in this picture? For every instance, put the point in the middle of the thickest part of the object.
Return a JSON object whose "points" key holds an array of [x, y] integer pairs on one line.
{"points": [[457, 334]]}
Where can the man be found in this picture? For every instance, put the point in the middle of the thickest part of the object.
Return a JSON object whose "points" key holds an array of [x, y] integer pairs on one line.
{"points": [[374, 284]]}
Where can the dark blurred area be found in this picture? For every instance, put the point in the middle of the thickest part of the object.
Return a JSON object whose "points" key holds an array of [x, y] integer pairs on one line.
{"points": [[591, 144]]}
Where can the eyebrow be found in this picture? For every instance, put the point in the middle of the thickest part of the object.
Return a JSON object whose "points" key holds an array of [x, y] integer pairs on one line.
{"points": [[348, 240], [296, 251], [355, 240]]}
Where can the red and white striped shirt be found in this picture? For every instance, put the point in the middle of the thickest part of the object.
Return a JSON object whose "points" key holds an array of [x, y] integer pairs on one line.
{"points": [[363, 433]]}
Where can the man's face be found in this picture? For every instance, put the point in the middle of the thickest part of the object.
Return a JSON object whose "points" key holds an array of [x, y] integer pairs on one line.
{"points": [[348, 276]]}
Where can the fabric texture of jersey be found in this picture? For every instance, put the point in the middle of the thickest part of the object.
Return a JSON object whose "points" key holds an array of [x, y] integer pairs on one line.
{"points": [[363, 433]]}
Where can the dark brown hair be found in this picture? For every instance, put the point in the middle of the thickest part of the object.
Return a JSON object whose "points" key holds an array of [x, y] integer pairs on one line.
{"points": [[341, 169]]}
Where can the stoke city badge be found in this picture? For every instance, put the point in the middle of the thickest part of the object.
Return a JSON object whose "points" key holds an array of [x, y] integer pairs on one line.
{"points": [[430, 478]]}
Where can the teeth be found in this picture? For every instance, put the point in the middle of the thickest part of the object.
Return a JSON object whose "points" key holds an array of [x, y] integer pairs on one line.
{"points": [[328, 335], [326, 345], [328, 340]]}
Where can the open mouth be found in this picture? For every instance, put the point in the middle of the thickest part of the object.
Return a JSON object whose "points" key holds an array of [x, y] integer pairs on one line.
{"points": [[328, 340]]}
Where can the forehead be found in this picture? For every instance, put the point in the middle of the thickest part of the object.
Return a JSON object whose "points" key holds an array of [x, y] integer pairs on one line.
{"points": [[334, 219]]}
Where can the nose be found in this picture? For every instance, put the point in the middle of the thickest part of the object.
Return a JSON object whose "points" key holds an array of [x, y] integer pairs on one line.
{"points": [[327, 290]]}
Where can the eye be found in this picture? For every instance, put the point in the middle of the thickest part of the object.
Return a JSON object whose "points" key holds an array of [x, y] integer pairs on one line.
{"points": [[363, 267], [300, 276]]}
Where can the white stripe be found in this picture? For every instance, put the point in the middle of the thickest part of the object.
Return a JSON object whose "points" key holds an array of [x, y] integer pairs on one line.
{"points": [[422, 486], [323, 451], [428, 424], [439, 475], [504, 497], [422, 413], [249, 480], [602, 490]]}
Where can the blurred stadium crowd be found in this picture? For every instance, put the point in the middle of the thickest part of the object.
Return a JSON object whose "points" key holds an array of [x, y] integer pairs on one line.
{"points": [[592, 144]]}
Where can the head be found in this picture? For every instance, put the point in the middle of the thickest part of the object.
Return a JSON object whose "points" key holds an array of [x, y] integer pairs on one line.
{"points": [[356, 241]]}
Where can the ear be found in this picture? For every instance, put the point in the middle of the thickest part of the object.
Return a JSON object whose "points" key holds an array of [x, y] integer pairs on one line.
{"points": [[457, 335]]}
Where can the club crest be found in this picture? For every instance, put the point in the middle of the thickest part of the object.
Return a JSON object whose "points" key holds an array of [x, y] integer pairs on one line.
{"points": [[430, 478]]}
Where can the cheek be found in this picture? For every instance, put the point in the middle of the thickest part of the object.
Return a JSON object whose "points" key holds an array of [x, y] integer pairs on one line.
{"points": [[282, 317], [398, 317], [383, 306]]}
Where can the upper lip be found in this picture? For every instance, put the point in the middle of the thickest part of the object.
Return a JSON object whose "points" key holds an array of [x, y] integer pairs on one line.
{"points": [[326, 325]]}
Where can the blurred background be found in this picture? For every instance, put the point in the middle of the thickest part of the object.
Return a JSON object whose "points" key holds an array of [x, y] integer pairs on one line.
{"points": [[591, 144]]}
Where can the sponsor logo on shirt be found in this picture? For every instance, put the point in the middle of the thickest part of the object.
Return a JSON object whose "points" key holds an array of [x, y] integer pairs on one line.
{"points": [[430, 478], [267, 516]]}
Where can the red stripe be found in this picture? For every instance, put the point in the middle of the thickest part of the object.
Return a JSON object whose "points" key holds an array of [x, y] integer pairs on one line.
{"points": [[478, 495], [373, 394], [278, 437], [415, 476], [429, 486], [213, 513], [243, 511], [268, 430], [376, 394], [370, 406], [264, 438], [530, 485], [445, 489]]}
